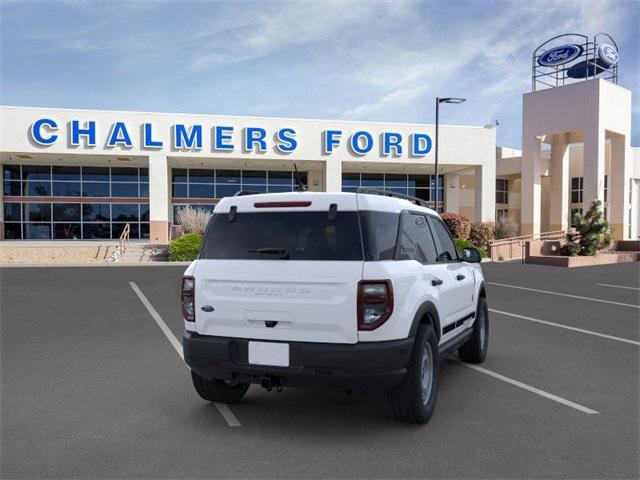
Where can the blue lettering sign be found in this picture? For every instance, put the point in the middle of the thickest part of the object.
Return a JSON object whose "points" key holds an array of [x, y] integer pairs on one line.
{"points": [[255, 136], [221, 137], [119, 136], [286, 142], [331, 140], [187, 139], [392, 140], [421, 144], [147, 138], [37, 134], [357, 146], [89, 132]]}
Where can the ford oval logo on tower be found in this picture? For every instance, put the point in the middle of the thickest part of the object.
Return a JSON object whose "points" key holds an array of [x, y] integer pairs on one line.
{"points": [[560, 55], [608, 54], [571, 57]]}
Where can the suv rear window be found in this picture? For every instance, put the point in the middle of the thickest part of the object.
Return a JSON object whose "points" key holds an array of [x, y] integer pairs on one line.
{"points": [[283, 235]]}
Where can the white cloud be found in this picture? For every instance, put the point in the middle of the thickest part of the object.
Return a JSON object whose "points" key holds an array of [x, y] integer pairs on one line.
{"points": [[494, 50]]}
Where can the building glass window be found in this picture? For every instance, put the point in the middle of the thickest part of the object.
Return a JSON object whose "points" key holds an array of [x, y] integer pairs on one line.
{"points": [[415, 185], [576, 189], [77, 216], [502, 213], [65, 174], [502, 190], [66, 189], [196, 185], [32, 173]]}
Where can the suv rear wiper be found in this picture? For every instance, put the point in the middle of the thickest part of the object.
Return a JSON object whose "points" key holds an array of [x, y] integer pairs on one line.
{"points": [[284, 254]]}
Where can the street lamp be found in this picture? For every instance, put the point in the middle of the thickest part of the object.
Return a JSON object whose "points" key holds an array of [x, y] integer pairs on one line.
{"points": [[438, 102]]}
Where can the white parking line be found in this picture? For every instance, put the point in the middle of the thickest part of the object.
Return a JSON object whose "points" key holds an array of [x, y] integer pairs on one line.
{"points": [[224, 409], [617, 286], [566, 327], [529, 388], [565, 295]]}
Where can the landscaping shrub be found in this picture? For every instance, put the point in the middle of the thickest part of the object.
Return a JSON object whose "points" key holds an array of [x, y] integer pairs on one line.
{"points": [[459, 225], [592, 233], [505, 228], [462, 244], [193, 220], [185, 248], [482, 233]]}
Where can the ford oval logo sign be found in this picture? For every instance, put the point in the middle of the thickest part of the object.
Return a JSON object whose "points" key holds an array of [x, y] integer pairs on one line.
{"points": [[560, 55], [608, 54]]}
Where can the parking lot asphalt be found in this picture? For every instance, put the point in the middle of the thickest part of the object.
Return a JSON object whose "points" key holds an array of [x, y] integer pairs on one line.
{"points": [[93, 388]]}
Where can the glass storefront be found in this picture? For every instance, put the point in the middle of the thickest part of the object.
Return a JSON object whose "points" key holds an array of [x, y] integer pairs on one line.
{"points": [[77, 202], [190, 186], [420, 186]]}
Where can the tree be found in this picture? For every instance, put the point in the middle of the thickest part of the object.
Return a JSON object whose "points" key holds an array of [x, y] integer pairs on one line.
{"points": [[591, 235]]}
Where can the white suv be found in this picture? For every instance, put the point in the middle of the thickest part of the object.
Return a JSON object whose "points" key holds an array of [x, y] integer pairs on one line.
{"points": [[352, 291]]}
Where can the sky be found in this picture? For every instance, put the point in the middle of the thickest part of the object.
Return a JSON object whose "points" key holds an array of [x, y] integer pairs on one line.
{"points": [[345, 60]]}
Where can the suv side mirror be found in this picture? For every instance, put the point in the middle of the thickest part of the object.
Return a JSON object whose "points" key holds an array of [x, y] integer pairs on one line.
{"points": [[471, 255]]}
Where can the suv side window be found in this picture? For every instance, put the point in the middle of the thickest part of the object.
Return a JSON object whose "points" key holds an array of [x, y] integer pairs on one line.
{"points": [[379, 234], [446, 248], [415, 241]]}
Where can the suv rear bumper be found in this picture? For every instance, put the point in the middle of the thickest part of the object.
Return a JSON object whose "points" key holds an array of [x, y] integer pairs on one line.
{"points": [[371, 366]]}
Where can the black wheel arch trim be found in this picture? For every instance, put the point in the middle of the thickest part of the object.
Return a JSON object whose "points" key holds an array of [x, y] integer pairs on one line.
{"points": [[430, 310], [482, 291]]}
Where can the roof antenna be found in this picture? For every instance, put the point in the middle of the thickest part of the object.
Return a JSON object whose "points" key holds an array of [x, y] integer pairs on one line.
{"points": [[300, 187]]}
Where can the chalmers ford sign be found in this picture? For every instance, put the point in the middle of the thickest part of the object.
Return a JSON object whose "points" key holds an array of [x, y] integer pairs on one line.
{"points": [[220, 138]]}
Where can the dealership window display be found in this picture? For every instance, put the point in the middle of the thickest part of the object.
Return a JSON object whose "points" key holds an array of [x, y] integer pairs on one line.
{"points": [[421, 186], [77, 202], [192, 186]]}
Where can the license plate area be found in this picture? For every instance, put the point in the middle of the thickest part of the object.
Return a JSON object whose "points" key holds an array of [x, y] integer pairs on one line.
{"points": [[269, 353]]}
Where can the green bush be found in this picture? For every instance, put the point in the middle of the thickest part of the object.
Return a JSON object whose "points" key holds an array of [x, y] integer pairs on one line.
{"points": [[458, 225], [185, 248], [462, 244], [482, 233], [592, 233]]}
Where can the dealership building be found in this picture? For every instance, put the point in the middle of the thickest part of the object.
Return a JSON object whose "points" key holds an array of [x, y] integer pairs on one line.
{"points": [[85, 174]]}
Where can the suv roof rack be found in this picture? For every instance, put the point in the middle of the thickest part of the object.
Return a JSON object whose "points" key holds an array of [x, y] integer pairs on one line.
{"points": [[385, 193]]}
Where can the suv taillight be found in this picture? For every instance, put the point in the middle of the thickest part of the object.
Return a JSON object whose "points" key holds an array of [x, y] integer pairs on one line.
{"points": [[187, 298], [375, 303]]}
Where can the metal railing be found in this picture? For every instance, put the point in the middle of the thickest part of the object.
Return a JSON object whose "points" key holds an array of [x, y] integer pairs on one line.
{"points": [[123, 242], [513, 244]]}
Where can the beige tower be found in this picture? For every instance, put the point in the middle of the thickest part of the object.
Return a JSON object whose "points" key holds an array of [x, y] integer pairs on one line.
{"points": [[593, 112]]}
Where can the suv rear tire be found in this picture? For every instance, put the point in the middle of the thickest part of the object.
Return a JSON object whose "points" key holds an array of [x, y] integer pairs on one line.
{"points": [[218, 390], [475, 349], [414, 399]]}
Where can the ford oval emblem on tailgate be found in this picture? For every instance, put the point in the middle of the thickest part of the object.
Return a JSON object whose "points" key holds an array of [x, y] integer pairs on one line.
{"points": [[207, 308]]}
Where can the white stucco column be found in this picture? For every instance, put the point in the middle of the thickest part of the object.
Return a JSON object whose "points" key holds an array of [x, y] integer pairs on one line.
{"points": [[315, 180], [531, 173], [452, 195], [485, 192], [158, 198], [618, 191], [333, 175], [593, 166], [559, 202]]}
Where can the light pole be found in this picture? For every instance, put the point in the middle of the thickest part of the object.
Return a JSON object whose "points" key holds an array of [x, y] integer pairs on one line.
{"points": [[438, 102]]}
